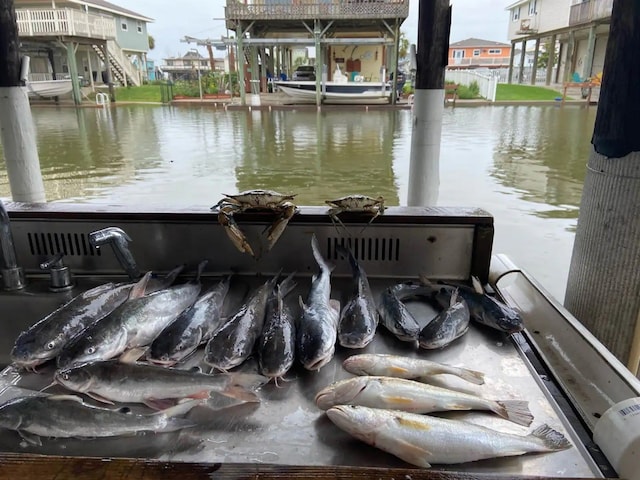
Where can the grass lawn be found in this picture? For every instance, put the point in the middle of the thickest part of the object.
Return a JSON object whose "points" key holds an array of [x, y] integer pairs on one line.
{"points": [[143, 93], [508, 91]]}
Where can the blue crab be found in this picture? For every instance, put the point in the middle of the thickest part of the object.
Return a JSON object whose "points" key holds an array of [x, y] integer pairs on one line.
{"points": [[258, 200], [355, 203]]}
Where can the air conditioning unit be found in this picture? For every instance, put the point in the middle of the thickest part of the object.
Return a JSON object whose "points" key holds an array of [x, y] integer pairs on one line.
{"points": [[525, 25]]}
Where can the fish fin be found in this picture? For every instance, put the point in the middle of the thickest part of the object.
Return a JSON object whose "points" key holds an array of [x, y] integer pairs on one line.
{"points": [[241, 386], [201, 267], [477, 286], [396, 401], [425, 280], [301, 302], [138, 290], [398, 371], [322, 263], [100, 398], [412, 454], [181, 408], [454, 297], [31, 438], [160, 403], [73, 398], [132, 355], [471, 376], [515, 410], [172, 275], [335, 305], [551, 439]]}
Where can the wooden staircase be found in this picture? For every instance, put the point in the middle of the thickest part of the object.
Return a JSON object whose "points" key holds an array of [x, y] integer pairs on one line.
{"points": [[123, 70]]}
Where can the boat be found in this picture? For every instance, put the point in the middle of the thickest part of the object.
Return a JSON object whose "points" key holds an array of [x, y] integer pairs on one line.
{"points": [[49, 88], [337, 92]]}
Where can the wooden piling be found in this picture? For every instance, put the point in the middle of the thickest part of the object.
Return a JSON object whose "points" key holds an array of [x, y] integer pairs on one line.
{"points": [[604, 277]]}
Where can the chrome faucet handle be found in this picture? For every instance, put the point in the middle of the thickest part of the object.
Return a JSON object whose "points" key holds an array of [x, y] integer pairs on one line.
{"points": [[12, 274], [60, 274], [119, 241]]}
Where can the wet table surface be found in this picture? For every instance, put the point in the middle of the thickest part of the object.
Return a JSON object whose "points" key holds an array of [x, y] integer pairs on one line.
{"points": [[286, 427]]}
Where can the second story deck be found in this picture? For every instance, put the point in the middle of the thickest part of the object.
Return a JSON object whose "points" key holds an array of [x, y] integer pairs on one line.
{"points": [[297, 10], [590, 11], [43, 22]]}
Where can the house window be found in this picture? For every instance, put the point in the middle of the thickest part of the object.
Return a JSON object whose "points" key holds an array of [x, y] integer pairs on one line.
{"points": [[139, 26], [533, 7], [515, 15], [169, 63], [495, 51], [476, 53], [124, 26]]}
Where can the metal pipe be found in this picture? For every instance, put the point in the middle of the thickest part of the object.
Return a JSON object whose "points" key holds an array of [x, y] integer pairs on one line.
{"points": [[12, 275], [119, 241]]}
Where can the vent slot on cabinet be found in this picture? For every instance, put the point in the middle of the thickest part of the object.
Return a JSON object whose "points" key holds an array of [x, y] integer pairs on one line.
{"points": [[366, 248], [47, 244]]}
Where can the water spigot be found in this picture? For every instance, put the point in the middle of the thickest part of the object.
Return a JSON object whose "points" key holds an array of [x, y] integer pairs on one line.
{"points": [[60, 274], [119, 241]]}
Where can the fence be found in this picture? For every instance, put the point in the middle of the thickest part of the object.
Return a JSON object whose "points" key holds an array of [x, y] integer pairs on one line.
{"points": [[487, 83]]}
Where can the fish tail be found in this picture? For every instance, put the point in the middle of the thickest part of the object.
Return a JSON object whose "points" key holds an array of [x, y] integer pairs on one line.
{"points": [[201, 267], [551, 439], [515, 410], [471, 376], [324, 265], [349, 255], [287, 285], [477, 285], [172, 275]]}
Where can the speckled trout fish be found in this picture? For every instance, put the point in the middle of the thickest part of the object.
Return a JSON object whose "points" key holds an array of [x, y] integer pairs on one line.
{"points": [[415, 397], [422, 440]]}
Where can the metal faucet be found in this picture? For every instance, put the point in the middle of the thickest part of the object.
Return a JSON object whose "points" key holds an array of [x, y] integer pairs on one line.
{"points": [[119, 241], [12, 275]]}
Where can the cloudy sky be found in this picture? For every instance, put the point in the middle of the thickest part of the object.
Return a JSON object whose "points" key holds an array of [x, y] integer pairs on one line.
{"points": [[486, 19]]}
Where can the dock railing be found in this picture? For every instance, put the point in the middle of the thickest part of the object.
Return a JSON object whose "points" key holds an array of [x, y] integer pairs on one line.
{"points": [[488, 83], [53, 22], [321, 9]]}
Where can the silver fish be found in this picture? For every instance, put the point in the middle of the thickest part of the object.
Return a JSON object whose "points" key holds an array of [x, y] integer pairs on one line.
{"points": [[113, 381], [484, 308], [415, 397], [395, 316], [405, 367], [317, 330], [194, 327], [449, 325], [276, 346], [65, 416], [422, 439], [234, 341], [45, 340], [135, 323], [359, 317]]}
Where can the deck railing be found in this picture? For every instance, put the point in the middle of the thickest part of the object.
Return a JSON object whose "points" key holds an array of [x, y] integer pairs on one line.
{"points": [[590, 10], [478, 61], [64, 21], [320, 9], [45, 77]]}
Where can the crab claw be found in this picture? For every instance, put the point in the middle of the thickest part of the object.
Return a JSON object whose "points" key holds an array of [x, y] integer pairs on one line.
{"points": [[234, 233], [278, 226]]}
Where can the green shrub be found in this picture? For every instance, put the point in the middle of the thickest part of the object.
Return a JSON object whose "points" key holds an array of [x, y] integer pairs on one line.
{"points": [[474, 88]]}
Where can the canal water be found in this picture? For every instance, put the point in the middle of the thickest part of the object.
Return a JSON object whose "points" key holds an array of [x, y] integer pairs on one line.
{"points": [[523, 164]]}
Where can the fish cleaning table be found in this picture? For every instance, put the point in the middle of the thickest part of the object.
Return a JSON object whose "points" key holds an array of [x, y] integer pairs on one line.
{"points": [[286, 432]]}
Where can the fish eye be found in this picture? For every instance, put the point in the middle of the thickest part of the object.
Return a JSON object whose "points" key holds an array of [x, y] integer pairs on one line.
{"points": [[65, 376], [51, 345], [91, 350]]}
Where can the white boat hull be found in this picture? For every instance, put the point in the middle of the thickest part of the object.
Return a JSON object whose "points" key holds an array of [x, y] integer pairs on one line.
{"points": [[49, 88], [337, 92]]}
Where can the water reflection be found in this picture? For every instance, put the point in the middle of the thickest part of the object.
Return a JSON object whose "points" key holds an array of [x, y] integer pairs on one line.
{"points": [[541, 153]]}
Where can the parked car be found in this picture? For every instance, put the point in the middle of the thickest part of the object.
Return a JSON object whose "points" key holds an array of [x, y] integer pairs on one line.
{"points": [[304, 72]]}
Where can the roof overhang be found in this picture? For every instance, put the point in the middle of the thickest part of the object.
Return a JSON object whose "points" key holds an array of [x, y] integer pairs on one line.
{"points": [[113, 10], [516, 4]]}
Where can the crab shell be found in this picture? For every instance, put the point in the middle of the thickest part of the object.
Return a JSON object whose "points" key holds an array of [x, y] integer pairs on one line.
{"points": [[258, 199], [357, 203]]}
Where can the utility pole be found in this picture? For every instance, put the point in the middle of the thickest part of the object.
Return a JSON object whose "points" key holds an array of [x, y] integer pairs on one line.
{"points": [[17, 130], [603, 290], [434, 23]]}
